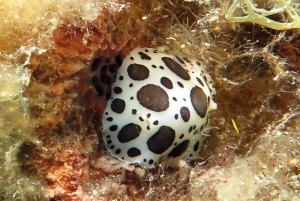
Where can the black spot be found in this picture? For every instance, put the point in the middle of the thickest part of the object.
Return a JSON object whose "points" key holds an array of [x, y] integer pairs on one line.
{"points": [[181, 136], [96, 63], [201, 128], [103, 75], [118, 151], [119, 60], [196, 146], [112, 147], [195, 132], [200, 81], [185, 114], [154, 51], [148, 127], [186, 59], [161, 67], [151, 162], [175, 99], [190, 155], [118, 105], [180, 60], [134, 111], [154, 66], [155, 122], [184, 99], [180, 84], [141, 119], [144, 56], [145, 160], [131, 58], [130, 85], [206, 122], [176, 68], [161, 140], [166, 82], [113, 128], [190, 129], [176, 116], [98, 86], [146, 50], [148, 115], [179, 149], [138, 72], [208, 100], [109, 141], [109, 119], [107, 95], [131, 98], [108, 136], [117, 90], [113, 68], [121, 77], [199, 101], [153, 98], [133, 152], [198, 63], [129, 132]]}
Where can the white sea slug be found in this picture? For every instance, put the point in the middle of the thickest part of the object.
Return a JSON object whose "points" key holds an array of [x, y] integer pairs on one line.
{"points": [[158, 109]]}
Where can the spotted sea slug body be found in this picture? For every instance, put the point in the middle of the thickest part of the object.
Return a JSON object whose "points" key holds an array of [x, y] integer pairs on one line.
{"points": [[158, 109]]}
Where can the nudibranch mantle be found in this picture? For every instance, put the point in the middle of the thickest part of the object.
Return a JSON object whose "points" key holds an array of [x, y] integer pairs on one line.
{"points": [[158, 108]]}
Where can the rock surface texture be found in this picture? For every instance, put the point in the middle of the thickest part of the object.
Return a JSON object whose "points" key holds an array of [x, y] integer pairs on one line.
{"points": [[58, 63]]}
